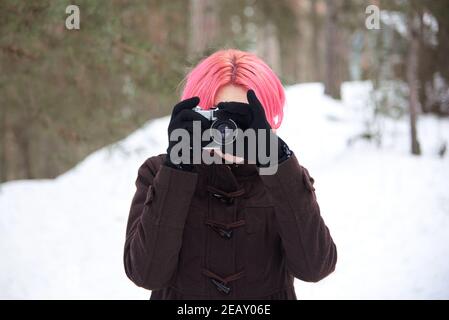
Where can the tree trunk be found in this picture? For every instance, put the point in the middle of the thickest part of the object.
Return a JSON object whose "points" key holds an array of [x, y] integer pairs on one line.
{"points": [[315, 41], [203, 26], [26, 148], [268, 46], [412, 79], [22, 138], [3, 137], [332, 82]]}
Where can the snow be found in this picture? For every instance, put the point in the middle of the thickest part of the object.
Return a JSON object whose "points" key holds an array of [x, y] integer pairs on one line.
{"points": [[387, 211]]}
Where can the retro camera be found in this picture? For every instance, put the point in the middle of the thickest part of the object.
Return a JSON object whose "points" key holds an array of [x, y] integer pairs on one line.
{"points": [[225, 129]]}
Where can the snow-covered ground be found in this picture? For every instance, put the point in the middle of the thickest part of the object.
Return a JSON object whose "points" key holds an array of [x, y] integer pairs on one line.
{"points": [[387, 210]]}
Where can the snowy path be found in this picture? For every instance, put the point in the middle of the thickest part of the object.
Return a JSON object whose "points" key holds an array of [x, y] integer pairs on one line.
{"points": [[387, 211]]}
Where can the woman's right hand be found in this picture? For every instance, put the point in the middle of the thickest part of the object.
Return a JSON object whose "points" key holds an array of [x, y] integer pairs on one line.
{"points": [[183, 117]]}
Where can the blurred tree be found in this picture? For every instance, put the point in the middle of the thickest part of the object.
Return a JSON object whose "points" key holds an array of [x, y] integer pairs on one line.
{"points": [[332, 80], [203, 16], [64, 94], [420, 44], [433, 53], [316, 30], [414, 18]]}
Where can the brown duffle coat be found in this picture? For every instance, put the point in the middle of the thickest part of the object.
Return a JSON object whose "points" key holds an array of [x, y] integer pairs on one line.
{"points": [[225, 232]]}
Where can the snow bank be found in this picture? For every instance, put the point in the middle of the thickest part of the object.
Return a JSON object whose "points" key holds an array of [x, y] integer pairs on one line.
{"points": [[387, 211]]}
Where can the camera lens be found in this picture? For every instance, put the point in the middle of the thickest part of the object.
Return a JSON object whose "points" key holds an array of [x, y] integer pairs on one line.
{"points": [[226, 131]]}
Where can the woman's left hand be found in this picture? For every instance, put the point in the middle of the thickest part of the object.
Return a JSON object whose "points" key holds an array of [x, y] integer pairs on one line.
{"points": [[251, 116]]}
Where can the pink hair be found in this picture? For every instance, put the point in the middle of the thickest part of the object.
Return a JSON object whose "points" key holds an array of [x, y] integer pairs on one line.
{"points": [[240, 68]]}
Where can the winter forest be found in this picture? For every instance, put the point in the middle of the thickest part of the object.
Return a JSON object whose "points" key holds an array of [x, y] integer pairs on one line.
{"points": [[367, 85]]}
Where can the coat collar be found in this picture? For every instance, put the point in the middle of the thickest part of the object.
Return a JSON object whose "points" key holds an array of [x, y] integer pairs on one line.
{"points": [[238, 170], [225, 177]]}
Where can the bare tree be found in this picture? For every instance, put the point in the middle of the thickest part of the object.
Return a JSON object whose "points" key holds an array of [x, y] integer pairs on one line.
{"points": [[412, 79], [332, 81], [203, 25], [268, 47], [3, 135], [315, 39]]}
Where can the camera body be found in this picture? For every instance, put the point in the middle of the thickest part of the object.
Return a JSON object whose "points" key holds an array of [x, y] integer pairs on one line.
{"points": [[224, 130], [210, 114]]}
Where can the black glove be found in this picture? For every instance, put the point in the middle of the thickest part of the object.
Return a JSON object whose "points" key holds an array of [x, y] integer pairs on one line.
{"points": [[182, 118], [251, 115]]}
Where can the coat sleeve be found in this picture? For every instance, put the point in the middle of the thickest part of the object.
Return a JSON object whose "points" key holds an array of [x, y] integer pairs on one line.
{"points": [[156, 223], [310, 252]]}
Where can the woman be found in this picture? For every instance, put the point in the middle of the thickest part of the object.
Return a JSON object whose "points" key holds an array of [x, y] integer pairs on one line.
{"points": [[224, 231]]}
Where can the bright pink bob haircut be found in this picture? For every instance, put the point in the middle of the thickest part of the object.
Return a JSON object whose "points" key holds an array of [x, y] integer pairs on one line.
{"points": [[240, 68]]}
